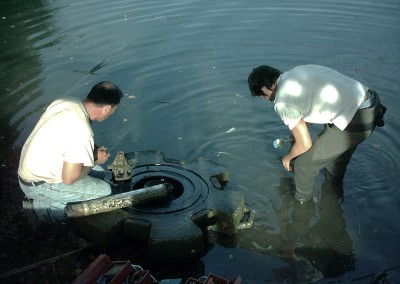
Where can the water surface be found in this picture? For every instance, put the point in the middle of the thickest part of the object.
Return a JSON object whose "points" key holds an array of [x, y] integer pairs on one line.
{"points": [[183, 66]]}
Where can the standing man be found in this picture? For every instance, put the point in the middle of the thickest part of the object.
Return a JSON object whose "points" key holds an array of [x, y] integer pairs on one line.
{"points": [[316, 94], [60, 152]]}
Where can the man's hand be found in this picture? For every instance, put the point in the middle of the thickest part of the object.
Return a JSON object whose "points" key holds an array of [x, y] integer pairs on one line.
{"points": [[102, 155], [286, 164]]}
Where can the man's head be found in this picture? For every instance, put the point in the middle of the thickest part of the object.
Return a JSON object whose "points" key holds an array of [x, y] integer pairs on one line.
{"points": [[104, 93], [102, 100], [262, 77]]}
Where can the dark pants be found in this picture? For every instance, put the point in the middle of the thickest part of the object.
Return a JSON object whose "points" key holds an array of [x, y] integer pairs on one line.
{"points": [[332, 150]]}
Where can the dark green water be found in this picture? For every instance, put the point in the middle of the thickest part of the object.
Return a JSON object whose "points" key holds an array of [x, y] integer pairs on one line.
{"points": [[183, 66]]}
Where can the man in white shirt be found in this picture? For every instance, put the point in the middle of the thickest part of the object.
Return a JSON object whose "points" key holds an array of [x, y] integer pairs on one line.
{"points": [[320, 95], [60, 153]]}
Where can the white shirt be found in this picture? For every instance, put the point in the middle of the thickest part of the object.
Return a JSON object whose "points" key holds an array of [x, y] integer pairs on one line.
{"points": [[63, 133], [319, 95]]}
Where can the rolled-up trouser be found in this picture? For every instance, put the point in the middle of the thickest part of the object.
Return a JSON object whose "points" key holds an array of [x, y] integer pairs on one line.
{"points": [[332, 150], [50, 199]]}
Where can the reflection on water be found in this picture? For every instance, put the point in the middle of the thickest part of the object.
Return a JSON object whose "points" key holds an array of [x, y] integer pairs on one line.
{"points": [[26, 27], [183, 66], [22, 24], [312, 238]]}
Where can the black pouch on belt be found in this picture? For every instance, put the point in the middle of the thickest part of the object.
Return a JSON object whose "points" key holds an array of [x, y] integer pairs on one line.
{"points": [[366, 119]]}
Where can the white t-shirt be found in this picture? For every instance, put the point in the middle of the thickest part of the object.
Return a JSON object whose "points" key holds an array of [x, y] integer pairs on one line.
{"points": [[319, 95], [63, 133]]}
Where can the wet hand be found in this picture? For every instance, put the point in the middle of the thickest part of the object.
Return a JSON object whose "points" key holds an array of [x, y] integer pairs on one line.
{"points": [[286, 164]]}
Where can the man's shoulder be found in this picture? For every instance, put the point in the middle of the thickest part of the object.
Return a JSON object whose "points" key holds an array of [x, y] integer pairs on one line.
{"points": [[66, 105], [67, 110], [66, 101], [310, 68]]}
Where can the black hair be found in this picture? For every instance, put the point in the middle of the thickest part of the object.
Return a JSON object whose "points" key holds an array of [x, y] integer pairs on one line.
{"points": [[105, 93], [262, 76]]}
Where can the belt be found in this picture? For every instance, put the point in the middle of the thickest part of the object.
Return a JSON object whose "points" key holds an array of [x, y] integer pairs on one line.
{"points": [[367, 118], [31, 183]]}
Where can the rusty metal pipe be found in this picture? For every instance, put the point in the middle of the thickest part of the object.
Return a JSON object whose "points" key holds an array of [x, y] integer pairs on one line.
{"points": [[118, 201]]}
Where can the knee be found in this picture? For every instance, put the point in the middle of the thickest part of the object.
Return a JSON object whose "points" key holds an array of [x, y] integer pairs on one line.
{"points": [[334, 177], [104, 189], [98, 187]]}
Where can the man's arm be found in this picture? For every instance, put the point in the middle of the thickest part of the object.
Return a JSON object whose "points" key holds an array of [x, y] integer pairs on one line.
{"points": [[302, 142], [73, 172]]}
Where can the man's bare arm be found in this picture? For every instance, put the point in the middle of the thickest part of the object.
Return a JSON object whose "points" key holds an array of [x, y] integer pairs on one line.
{"points": [[73, 172], [302, 142]]}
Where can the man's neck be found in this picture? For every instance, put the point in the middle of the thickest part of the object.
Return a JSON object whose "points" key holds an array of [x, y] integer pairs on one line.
{"points": [[89, 110]]}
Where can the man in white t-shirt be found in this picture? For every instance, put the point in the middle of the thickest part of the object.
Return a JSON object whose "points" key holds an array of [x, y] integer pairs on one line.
{"points": [[320, 95], [59, 154]]}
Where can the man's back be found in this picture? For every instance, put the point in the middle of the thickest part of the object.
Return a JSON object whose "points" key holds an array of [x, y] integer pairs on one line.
{"points": [[318, 95], [63, 133]]}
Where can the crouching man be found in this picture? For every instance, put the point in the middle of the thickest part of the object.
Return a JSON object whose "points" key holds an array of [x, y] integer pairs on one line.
{"points": [[59, 154]]}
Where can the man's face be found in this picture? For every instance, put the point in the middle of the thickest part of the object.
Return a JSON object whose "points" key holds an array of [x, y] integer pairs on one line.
{"points": [[267, 94]]}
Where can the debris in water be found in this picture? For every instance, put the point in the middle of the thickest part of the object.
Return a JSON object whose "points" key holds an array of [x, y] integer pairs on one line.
{"points": [[231, 130]]}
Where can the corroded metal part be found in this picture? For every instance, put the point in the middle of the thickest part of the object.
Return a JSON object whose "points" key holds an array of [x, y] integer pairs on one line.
{"points": [[117, 201], [201, 201], [120, 167]]}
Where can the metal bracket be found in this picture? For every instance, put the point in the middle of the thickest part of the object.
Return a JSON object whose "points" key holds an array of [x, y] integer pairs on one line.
{"points": [[122, 170]]}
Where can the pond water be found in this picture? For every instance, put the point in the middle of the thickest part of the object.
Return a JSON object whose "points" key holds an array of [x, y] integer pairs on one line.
{"points": [[183, 65]]}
